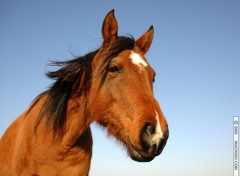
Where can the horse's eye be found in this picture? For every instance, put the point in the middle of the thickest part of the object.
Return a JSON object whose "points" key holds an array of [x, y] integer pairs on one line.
{"points": [[113, 68]]}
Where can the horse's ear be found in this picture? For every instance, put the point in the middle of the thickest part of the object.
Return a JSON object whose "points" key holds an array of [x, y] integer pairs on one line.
{"points": [[110, 27], [144, 42]]}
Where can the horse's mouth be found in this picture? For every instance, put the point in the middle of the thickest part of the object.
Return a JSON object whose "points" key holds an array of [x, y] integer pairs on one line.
{"points": [[141, 155]]}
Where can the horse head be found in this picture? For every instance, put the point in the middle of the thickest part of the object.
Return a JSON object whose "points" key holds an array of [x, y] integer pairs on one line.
{"points": [[121, 95]]}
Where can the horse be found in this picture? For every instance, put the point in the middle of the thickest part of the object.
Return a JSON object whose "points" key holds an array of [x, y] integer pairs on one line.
{"points": [[112, 86]]}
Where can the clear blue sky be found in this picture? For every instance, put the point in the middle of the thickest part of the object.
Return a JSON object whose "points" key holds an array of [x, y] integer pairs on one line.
{"points": [[195, 52]]}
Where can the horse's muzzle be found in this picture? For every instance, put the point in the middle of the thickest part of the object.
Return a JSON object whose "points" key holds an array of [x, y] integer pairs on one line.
{"points": [[150, 146]]}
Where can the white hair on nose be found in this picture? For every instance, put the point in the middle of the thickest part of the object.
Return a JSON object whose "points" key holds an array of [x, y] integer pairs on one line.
{"points": [[158, 133]]}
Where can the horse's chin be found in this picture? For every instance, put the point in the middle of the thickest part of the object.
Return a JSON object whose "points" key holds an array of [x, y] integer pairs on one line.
{"points": [[136, 156]]}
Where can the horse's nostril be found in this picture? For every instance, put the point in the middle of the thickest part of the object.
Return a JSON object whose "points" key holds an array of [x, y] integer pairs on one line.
{"points": [[146, 135], [150, 129]]}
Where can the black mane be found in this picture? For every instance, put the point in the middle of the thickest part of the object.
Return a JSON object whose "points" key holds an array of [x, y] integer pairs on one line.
{"points": [[74, 77]]}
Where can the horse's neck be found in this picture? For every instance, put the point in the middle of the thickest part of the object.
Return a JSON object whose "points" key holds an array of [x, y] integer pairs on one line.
{"points": [[76, 124], [77, 121], [43, 155]]}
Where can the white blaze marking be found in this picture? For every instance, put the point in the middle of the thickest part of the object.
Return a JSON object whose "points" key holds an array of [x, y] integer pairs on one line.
{"points": [[137, 59], [158, 134]]}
